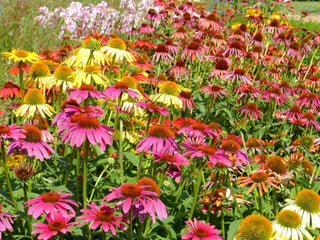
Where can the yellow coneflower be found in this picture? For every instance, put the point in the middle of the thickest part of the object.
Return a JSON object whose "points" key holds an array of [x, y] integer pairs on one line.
{"points": [[129, 132], [14, 161], [90, 74], [168, 94], [34, 101], [288, 226], [39, 73], [62, 77], [255, 227], [21, 56], [116, 49]]}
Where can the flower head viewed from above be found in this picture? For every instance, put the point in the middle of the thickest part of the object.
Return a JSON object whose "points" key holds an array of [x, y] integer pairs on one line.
{"points": [[201, 231]]}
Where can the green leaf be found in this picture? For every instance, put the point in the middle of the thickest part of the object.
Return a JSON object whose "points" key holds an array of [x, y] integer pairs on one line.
{"points": [[233, 229], [134, 159]]}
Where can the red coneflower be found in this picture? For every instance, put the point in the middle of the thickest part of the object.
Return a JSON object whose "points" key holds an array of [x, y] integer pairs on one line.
{"points": [[293, 112], [143, 64], [308, 100], [10, 90], [313, 81], [172, 46], [144, 44], [309, 117]]}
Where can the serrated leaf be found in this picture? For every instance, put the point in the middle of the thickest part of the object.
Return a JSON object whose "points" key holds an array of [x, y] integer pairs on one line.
{"points": [[134, 159], [233, 229]]}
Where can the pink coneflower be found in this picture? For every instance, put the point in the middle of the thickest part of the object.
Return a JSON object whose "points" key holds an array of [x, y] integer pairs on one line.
{"points": [[233, 147], [179, 70], [274, 73], [185, 96], [180, 34], [84, 92], [257, 53], [216, 91], [10, 90], [221, 69], [201, 231], [308, 100], [5, 221], [313, 81], [132, 196], [274, 93], [143, 64], [254, 145], [300, 88], [160, 139], [281, 39], [162, 54], [43, 125], [174, 158], [104, 217], [239, 75], [251, 110], [293, 112], [247, 91], [172, 46], [152, 14], [86, 127], [146, 28], [118, 89], [294, 50], [236, 49], [309, 117], [32, 143], [236, 35], [257, 40], [273, 27], [285, 88], [153, 108], [198, 128], [192, 52], [11, 132], [211, 22], [57, 223], [51, 202]]}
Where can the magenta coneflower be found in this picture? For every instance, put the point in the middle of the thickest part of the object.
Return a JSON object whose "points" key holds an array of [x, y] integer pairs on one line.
{"points": [[57, 223], [172, 46], [233, 147], [162, 54], [51, 202], [239, 75], [216, 91], [310, 120], [236, 49], [293, 112], [274, 93], [84, 92], [221, 69], [201, 231], [118, 89], [5, 221], [174, 158], [86, 127], [308, 100], [153, 108], [247, 91], [294, 50], [104, 217], [160, 139], [11, 132], [43, 125], [10, 90], [179, 70], [192, 52], [146, 28], [132, 196], [251, 110], [32, 143], [186, 97]]}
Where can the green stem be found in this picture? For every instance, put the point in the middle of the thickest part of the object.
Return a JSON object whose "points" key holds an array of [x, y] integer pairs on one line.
{"points": [[3, 153], [85, 171], [25, 210], [59, 99], [295, 182], [111, 66], [196, 192], [147, 227], [274, 202], [130, 224], [209, 109], [70, 166], [211, 195], [121, 152], [21, 81], [233, 195], [222, 223], [148, 124]]}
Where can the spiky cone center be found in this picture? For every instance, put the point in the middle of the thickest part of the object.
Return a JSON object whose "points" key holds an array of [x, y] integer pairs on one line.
{"points": [[243, 27], [307, 167], [161, 48], [51, 197], [105, 215], [222, 64], [200, 232], [146, 39], [170, 88], [239, 71], [314, 78], [274, 90], [121, 85], [211, 150], [273, 70], [295, 160], [180, 63], [258, 37], [131, 190], [4, 129], [255, 227], [193, 46], [236, 45], [90, 69], [308, 115], [254, 142], [285, 84], [32, 133], [237, 32], [289, 219], [311, 96], [257, 49], [141, 60], [21, 53], [212, 17], [39, 69], [308, 201], [214, 125], [252, 106], [88, 122], [10, 85], [187, 16], [161, 77], [258, 177], [63, 73], [75, 118], [42, 123], [274, 23], [87, 87], [24, 172], [117, 43], [161, 131], [181, 29], [295, 46], [132, 82], [169, 158], [91, 44], [152, 106], [34, 97], [277, 164], [56, 225], [306, 141], [230, 146], [72, 102], [295, 108], [152, 185]]}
